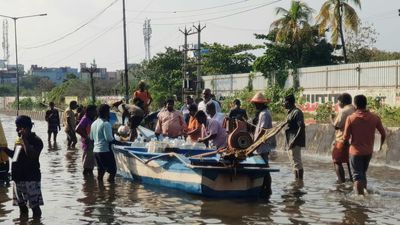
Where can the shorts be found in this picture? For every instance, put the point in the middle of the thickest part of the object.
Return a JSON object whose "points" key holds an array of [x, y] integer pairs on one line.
{"points": [[27, 192], [105, 162], [52, 129], [359, 166], [340, 152]]}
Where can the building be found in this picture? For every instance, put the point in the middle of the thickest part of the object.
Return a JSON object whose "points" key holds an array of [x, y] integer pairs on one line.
{"points": [[8, 73], [56, 75], [112, 76]]}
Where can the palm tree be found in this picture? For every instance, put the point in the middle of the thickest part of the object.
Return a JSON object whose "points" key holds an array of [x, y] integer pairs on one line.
{"points": [[293, 26], [333, 14]]}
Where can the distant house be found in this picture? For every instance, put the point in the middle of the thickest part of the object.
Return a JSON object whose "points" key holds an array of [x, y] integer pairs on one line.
{"points": [[56, 75], [8, 73]]}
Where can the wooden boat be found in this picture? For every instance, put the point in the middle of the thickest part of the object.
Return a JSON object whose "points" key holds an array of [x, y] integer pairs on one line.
{"points": [[180, 169]]}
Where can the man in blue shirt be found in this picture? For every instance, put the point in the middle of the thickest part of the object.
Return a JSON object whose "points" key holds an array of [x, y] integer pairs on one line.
{"points": [[101, 134]]}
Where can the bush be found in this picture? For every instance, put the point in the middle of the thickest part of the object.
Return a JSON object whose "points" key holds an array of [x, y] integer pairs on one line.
{"points": [[28, 104], [324, 112], [275, 94]]}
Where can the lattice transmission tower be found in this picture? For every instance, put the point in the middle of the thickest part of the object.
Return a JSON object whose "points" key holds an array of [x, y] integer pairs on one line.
{"points": [[147, 35], [4, 44]]}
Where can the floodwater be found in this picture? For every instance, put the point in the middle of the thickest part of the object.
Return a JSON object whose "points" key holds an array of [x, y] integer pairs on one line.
{"points": [[70, 199]]}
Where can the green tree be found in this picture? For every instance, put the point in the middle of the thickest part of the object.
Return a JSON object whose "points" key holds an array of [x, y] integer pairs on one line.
{"points": [[360, 44], [333, 14], [279, 58], [223, 59], [8, 89], [70, 76], [163, 74], [293, 27]]}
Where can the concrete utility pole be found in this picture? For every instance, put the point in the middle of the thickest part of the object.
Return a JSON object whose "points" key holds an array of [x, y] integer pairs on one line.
{"points": [[147, 35], [125, 54], [185, 77], [91, 70], [199, 28]]}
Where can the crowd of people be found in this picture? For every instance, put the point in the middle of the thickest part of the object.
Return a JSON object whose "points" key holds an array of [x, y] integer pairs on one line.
{"points": [[202, 122]]}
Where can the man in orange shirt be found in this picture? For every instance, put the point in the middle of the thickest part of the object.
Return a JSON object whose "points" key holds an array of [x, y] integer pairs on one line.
{"points": [[143, 95], [360, 129], [194, 127]]}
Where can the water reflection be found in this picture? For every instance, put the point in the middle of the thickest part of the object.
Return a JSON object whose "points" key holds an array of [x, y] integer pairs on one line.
{"points": [[71, 157], [292, 200], [354, 213]]}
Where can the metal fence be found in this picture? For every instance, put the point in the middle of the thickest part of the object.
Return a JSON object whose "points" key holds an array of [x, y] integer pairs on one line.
{"points": [[383, 74], [325, 83]]}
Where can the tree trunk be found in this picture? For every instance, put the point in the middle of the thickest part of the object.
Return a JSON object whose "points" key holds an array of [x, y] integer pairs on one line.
{"points": [[340, 11]]}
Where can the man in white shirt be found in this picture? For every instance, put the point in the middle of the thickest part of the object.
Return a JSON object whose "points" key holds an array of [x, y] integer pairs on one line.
{"points": [[206, 99], [213, 114]]}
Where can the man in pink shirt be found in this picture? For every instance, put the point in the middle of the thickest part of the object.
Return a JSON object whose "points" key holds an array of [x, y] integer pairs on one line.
{"points": [[211, 130], [360, 130], [170, 122]]}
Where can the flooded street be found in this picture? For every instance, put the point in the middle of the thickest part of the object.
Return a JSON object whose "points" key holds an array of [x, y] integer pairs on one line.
{"points": [[70, 199]]}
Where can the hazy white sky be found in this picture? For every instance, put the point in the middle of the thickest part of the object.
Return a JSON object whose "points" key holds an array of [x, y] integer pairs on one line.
{"points": [[102, 38]]}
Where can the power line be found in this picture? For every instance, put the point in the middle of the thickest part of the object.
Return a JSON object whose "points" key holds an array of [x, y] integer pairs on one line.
{"points": [[236, 28], [75, 30], [193, 10], [220, 17], [90, 42], [202, 14]]}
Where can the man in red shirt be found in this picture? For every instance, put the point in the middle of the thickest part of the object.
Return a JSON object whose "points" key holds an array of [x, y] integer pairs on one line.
{"points": [[360, 130]]}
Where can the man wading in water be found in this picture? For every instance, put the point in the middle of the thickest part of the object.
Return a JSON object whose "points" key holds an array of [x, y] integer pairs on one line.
{"points": [[340, 148], [25, 169], [295, 135], [360, 129]]}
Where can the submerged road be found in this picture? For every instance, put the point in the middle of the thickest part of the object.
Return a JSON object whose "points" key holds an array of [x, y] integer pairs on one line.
{"points": [[71, 199]]}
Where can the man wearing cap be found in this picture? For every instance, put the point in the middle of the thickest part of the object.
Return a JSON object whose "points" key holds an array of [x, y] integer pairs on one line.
{"points": [[295, 135], [25, 170], [264, 121]]}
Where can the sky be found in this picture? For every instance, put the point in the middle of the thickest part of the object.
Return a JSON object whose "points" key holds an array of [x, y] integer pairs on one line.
{"points": [[80, 31]]}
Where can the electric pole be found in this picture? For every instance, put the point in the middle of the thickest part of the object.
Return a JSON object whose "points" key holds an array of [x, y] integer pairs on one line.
{"points": [[125, 54], [91, 70], [185, 77], [199, 28]]}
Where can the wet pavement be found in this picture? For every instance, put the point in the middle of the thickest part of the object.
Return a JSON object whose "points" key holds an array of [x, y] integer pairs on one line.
{"points": [[71, 199]]}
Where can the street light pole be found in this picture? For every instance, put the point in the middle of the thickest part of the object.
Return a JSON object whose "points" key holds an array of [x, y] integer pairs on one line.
{"points": [[16, 49], [16, 61]]}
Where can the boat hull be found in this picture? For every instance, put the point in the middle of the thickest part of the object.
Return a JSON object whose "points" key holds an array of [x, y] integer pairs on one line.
{"points": [[177, 172]]}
